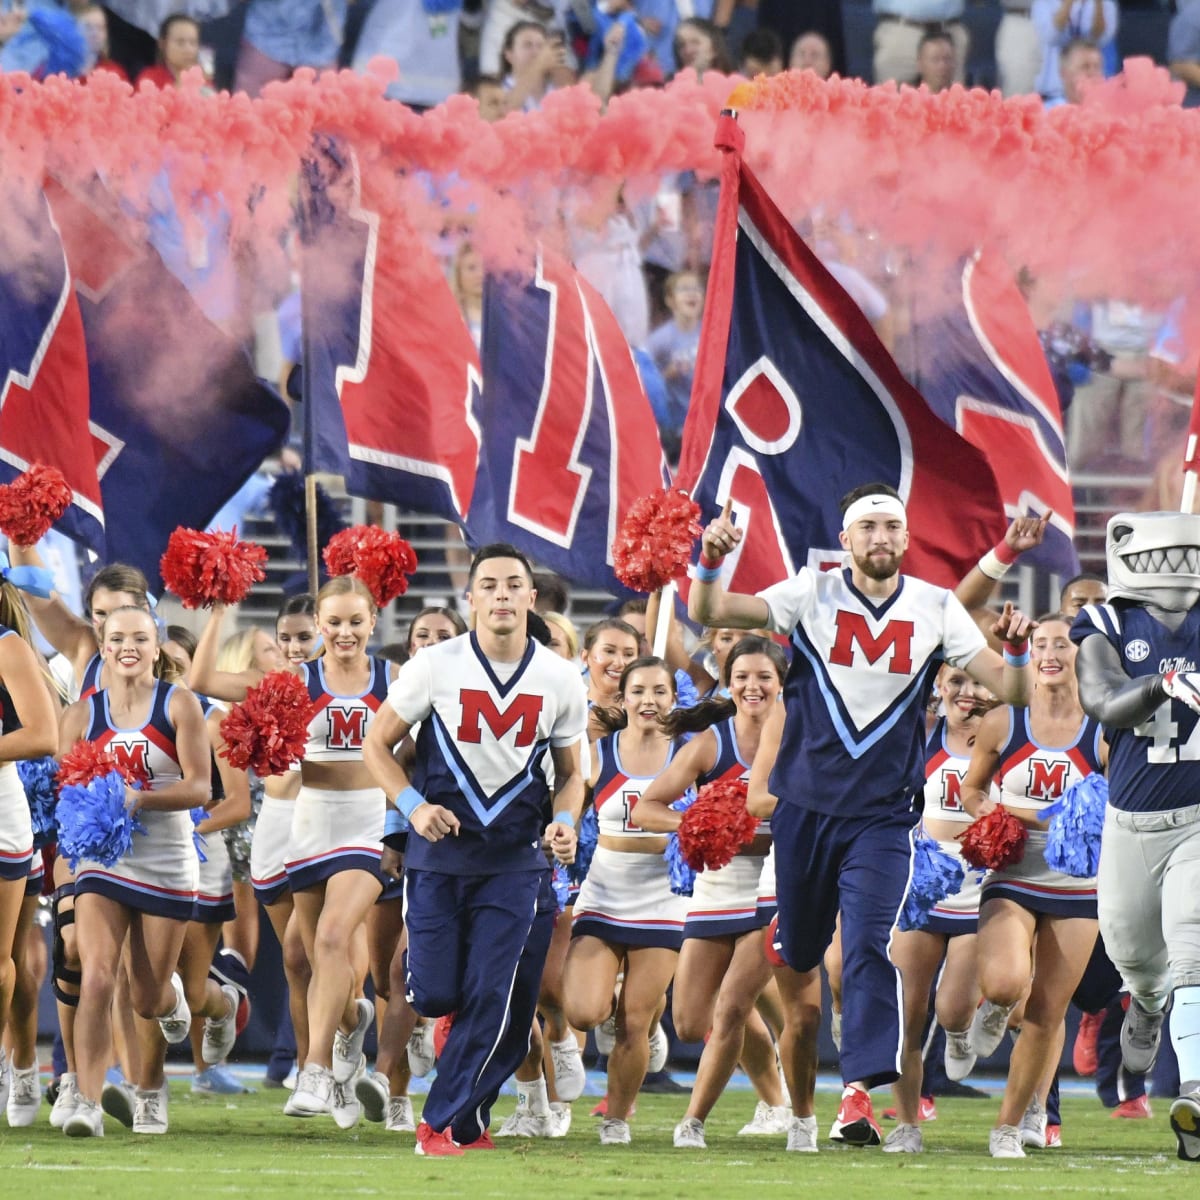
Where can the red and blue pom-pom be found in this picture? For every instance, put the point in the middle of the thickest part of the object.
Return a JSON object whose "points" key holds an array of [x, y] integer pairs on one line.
{"points": [[995, 841], [268, 731], [382, 560], [935, 875], [1076, 827], [681, 877], [204, 569], [31, 504], [39, 778], [86, 761], [587, 836], [93, 821], [655, 541], [716, 826]]}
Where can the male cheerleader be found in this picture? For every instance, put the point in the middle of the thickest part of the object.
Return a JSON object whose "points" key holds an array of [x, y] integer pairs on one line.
{"points": [[867, 642], [489, 704]]}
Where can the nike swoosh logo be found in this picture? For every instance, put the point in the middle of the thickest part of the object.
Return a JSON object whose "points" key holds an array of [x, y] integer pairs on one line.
{"points": [[877, 503]]}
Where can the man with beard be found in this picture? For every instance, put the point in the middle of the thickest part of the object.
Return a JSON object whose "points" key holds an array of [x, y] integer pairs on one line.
{"points": [[866, 643]]}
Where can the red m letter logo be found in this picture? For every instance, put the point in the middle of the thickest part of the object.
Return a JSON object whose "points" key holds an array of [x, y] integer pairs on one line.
{"points": [[346, 728], [524, 710], [1047, 780], [951, 791], [132, 758], [896, 636]]}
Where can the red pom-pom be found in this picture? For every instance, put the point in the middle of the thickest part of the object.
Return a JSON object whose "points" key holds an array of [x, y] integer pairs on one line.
{"points": [[995, 841], [268, 730], [382, 560], [654, 544], [716, 826], [86, 761], [204, 569], [32, 503]]}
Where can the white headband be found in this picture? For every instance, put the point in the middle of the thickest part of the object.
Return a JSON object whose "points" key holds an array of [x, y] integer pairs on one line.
{"points": [[873, 506]]}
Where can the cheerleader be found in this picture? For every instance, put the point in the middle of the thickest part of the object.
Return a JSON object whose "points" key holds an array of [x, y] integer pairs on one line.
{"points": [[723, 967], [949, 932], [609, 646], [1030, 913], [626, 912], [148, 895]]}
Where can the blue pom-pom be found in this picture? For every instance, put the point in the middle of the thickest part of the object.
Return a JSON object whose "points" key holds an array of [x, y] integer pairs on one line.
{"points": [[1076, 823], [93, 822], [39, 777], [935, 875], [686, 694], [585, 845], [560, 881], [682, 877], [198, 839]]}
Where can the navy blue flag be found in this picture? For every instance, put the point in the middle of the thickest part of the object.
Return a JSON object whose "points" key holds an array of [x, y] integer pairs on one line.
{"points": [[795, 401], [985, 374], [174, 399], [569, 438]]}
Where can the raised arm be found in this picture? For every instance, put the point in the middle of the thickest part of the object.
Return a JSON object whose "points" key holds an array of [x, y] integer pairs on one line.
{"points": [[977, 586], [653, 812], [70, 635], [204, 676], [1008, 676], [708, 602]]}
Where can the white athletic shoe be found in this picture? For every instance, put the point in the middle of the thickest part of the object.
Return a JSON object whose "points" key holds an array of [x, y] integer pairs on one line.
{"points": [[570, 1075], [689, 1134], [960, 1057], [987, 1028], [835, 1027], [1141, 1033], [522, 1123], [221, 1032], [345, 1106], [1033, 1125], [560, 1119], [150, 1110], [802, 1135], [373, 1094], [614, 1132], [24, 1097], [767, 1121], [400, 1117], [659, 1046], [87, 1120], [421, 1056], [347, 1047], [66, 1100], [904, 1139], [313, 1094], [119, 1101], [177, 1024], [1005, 1142], [290, 1079], [606, 1035]]}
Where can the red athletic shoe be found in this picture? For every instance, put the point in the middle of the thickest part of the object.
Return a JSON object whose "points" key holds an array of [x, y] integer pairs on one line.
{"points": [[855, 1122], [434, 1144], [601, 1109], [770, 936], [1137, 1109], [1053, 1137], [927, 1111], [242, 1019], [1084, 1056], [483, 1142], [441, 1031]]}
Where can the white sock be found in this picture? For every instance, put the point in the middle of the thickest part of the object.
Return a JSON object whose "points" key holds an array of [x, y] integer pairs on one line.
{"points": [[533, 1096], [1185, 1034]]}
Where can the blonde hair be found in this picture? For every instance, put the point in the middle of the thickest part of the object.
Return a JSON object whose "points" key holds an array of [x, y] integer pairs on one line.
{"points": [[347, 585], [568, 630], [237, 652]]}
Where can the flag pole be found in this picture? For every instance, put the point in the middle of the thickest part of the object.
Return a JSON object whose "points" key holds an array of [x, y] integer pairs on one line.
{"points": [[662, 622], [1191, 456], [310, 521]]}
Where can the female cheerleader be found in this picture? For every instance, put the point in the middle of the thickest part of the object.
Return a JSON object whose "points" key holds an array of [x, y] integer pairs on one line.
{"points": [[723, 967], [626, 912], [609, 646], [1032, 919], [148, 894]]}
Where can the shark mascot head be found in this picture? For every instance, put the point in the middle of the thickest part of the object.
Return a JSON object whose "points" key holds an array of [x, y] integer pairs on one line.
{"points": [[1154, 559]]}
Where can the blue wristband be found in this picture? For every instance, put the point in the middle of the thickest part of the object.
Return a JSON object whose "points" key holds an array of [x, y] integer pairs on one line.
{"points": [[707, 574], [564, 818], [395, 822], [1016, 660], [409, 801]]}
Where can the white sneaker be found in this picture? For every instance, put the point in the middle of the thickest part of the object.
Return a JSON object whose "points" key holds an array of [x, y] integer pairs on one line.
{"points": [[570, 1075], [767, 1121], [521, 1123], [421, 1056], [689, 1134], [66, 1100], [1033, 1125], [177, 1024], [987, 1028], [373, 1094], [904, 1139], [347, 1047], [560, 1119], [221, 1032], [1005, 1142], [289, 1080], [802, 1135], [313, 1094], [345, 1106], [1141, 1033], [659, 1046], [400, 1117], [614, 1132], [150, 1110], [960, 1057], [87, 1120], [24, 1097], [835, 1028], [119, 1101], [606, 1035]]}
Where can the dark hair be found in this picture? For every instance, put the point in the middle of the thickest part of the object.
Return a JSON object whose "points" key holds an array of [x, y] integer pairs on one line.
{"points": [[175, 19], [613, 719], [867, 489], [717, 708], [762, 44], [593, 632], [552, 591], [1083, 577], [394, 652], [935, 35], [637, 604], [498, 550], [720, 57], [117, 577], [483, 81], [302, 605], [433, 610], [513, 32], [536, 628], [184, 637]]}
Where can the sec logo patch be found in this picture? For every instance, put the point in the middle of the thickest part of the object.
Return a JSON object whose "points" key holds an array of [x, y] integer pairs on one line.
{"points": [[1137, 651]]}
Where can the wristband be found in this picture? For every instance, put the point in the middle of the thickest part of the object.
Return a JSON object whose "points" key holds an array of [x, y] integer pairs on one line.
{"points": [[394, 822], [564, 818], [993, 566], [710, 563], [409, 801], [707, 574], [1018, 657]]}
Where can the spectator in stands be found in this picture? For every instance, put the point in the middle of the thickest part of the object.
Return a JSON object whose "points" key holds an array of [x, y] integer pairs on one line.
{"points": [[501, 16], [94, 23], [281, 35], [178, 51], [737, 20], [700, 45], [423, 45], [1059, 23], [810, 52], [1018, 49], [1079, 64], [531, 60], [664, 242], [793, 19], [673, 346], [553, 594], [466, 282], [935, 61], [900, 27], [489, 92], [1183, 49], [762, 53]]}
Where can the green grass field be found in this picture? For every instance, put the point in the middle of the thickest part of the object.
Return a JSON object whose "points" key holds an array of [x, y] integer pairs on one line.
{"points": [[243, 1145]]}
